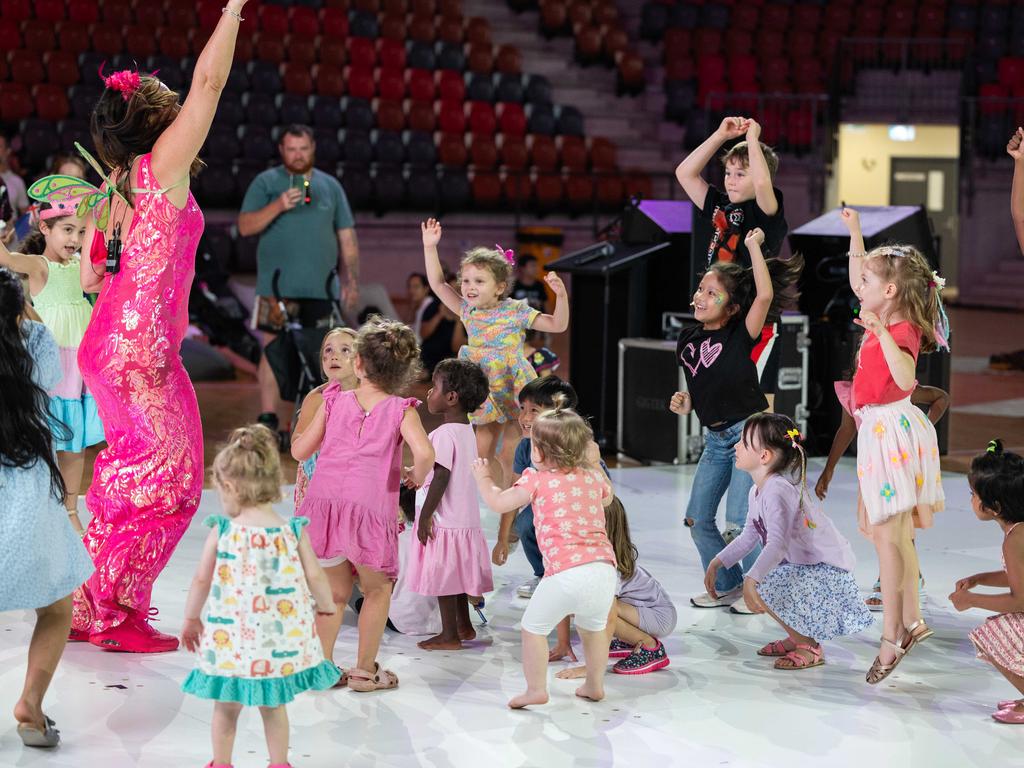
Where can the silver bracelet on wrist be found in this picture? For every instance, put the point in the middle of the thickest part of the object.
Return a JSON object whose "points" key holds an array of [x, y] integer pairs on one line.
{"points": [[857, 254], [236, 14]]}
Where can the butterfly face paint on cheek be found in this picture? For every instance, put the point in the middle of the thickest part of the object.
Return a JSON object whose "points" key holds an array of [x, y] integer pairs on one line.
{"points": [[718, 300]]}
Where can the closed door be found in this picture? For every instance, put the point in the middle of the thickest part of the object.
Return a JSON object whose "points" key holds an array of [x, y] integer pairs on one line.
{"points": [[934, 184]]}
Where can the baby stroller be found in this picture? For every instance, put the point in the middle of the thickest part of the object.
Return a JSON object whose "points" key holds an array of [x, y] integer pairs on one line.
{"points": [[294, 355]]}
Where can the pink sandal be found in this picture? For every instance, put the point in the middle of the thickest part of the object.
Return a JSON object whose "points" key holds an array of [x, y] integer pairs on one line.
{"points": [[361, 681], [797, 661], [774, 648]]}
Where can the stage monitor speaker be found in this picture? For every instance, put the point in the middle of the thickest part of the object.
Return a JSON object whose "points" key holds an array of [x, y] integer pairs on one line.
{"points": [[618, 290], [824, 243]]}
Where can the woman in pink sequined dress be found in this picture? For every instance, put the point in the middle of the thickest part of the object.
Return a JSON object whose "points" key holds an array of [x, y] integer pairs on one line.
{"points": [[147, 483]]}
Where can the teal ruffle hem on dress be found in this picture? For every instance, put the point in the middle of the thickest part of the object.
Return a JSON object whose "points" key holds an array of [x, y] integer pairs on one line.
{"points": [[269, 692]]}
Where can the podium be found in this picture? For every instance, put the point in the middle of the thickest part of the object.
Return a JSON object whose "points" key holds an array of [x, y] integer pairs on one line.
{"points": [[620, 290]]}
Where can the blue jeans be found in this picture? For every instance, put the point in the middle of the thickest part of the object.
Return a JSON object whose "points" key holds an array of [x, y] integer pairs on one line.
{"points": [[716, 474], [528, 538]]}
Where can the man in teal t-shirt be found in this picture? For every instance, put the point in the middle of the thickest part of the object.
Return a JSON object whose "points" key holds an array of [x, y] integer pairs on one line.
{"points": [[303, 219]]}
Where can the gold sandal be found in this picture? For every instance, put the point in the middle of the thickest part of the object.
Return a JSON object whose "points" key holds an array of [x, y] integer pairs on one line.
{"points": [[879, 671], [919, 632]]}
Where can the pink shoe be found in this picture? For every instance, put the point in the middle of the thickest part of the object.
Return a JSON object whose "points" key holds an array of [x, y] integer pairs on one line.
{"points": [[135, 635], [1009, 703], [1011, 716], [212, 764]]}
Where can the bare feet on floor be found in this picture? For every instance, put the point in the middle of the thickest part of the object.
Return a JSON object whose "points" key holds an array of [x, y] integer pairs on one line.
{"points": [[467, 634], [572, 673], [528, 698], [593, 693], [440, 643]]}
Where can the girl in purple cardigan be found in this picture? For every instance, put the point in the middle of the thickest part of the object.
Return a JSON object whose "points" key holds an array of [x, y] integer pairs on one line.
{"points": [[803, 578]]}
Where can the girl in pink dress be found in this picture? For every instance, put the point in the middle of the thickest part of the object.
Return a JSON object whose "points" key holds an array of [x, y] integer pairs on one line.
{"points": [[997, 493], [148, 481], [451, 559], [353, 496]]}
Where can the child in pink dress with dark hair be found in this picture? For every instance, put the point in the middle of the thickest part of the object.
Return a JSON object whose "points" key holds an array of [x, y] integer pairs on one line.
{"points": [[451, 558], [352, 499]]}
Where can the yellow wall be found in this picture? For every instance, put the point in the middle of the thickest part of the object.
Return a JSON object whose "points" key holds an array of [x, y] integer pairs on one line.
{"points": [[865, 152]]}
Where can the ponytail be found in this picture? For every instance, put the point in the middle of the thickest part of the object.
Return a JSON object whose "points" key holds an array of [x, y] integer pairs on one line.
{"points": [[738, 282]]}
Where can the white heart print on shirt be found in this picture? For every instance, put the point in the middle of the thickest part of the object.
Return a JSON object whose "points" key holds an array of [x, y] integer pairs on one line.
{"points": [[708, 354]]}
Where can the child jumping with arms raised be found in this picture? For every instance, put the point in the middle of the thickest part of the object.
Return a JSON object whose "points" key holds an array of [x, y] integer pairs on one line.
{"points": [[50, 257], [997, 493], [897, 449], [567, 491], [255, 575], [494, 330], [352, 499], [731, 305], [44, 560], [803, 577], [451, 559]]}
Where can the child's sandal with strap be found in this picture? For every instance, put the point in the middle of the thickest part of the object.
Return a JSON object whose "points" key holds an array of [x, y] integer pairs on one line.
{"points": [[919, 632], [774, 648], [797, 660], [879, 671], [361, 681]]}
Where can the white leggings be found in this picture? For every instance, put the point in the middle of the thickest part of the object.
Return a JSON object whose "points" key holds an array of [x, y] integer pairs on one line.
{"points": [[586, 591]]}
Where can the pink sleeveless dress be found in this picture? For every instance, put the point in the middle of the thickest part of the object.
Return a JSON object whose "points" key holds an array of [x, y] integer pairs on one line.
{"points": [[147, 483]]}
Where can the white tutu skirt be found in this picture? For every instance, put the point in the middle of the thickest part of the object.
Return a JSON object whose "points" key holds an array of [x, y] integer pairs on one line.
{"points": [[898, 463]]}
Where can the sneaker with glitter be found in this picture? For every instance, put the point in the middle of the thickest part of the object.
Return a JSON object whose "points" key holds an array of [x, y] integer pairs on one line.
{"points": [[619, 649], [643, 660]]}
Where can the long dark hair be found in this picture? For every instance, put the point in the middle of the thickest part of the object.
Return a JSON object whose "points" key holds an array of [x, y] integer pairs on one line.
{"points": [[26, 435], [124, 130], [738, 282]]}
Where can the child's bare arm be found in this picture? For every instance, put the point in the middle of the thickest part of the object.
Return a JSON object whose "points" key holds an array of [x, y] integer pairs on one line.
{"points": [[192, 628], [418, 442], [764, 192], [431, 230], [1006, 602], [319, 586], [559, 320], [438, 485], [851, 219], [902, 365], [33, 266], [1015, 148], [936, 399], [844, 436], [498, 500], [688, 173], [310, 403], [306, 444], [763, 283]]}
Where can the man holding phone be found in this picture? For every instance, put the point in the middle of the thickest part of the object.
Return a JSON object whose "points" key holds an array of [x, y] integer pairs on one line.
{"points": [[304, 222]]}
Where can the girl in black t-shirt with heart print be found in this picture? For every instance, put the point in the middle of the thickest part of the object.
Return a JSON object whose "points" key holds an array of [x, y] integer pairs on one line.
{"points": [[731, 305]]}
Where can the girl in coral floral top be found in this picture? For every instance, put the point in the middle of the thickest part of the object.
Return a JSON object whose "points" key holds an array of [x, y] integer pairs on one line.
{"points": [[568, 492]]}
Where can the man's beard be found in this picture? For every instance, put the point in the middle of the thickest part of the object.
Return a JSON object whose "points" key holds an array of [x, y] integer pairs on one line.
{"points": [[300, 169]]}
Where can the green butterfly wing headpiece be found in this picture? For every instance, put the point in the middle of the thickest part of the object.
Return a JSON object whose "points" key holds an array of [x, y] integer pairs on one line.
{"points": [[59, 189]]}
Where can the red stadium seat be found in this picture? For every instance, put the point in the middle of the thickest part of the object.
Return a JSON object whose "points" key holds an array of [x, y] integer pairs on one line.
{"points": [[745, 17], [573, 153], [513, 154], [393, 28], [481, 59], [181, 16], [486, 187], [150, 16], [518, 188], [333, 52], [603, 155], [543, 153], [588, 44], [270, 47], [16, 10], [83, 11], [452, 86], [273, 19], [16, 102], [423, 7], [391, 85], [72, 37], [62, 68], [579, 192], [51, 102], [334, 23], [509, 61], [677, 42], [26, 66], [139, 42], [450, 30], [774, 17], [390, 115], [1011, 71], [481, 118], [483, 153], [362, 52], [478, 32], [38, 36], [422, 117], [422, 29], [421, 85], [300, 50], [173, 43], [452, 117], [303, 21], [10, 35], [707, 42], [449, 8], [50, 11], [451, 150], [117, 13], [297, 79], [361, 83], [743, 73], [511, 119], [549, 191], [611, 191], [638, 184], [329, 80], [392, 55]]}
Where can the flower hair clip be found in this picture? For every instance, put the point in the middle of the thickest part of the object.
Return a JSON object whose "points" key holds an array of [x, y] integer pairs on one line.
{"points": [[509, 254], [126, 81], [937, 282]]}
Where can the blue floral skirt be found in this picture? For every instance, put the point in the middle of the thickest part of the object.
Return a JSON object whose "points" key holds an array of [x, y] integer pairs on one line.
{"points": [[820, 601]]}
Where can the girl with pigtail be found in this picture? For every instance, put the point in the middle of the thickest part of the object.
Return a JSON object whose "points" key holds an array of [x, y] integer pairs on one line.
{"points": [[897, 449], [495, 326], [803, 577]]}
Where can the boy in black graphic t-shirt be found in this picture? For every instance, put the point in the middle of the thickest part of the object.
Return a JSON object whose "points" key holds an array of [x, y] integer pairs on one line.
{"points": [[748, 202]]}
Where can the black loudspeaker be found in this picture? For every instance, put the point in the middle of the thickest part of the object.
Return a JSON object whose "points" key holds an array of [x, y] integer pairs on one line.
{"points": [[825, 243], [617, 291]]}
